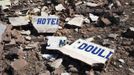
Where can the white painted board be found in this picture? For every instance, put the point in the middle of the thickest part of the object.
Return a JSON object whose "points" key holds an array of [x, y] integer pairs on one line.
{"points": [[46, 24], [55, 42], [87, 52]]}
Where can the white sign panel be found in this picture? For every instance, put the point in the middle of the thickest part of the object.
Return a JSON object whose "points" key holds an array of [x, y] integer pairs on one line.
{"points": [[18, 21], [55, 42], [87, 52], [45, 24]]}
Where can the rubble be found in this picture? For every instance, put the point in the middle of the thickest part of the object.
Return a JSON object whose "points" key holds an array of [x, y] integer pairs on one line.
{"points": [[49, 57], [131, 70], [46, 73], [59, 7], [129, 33], [12, 54], [72, 69], [2, 30], [28, 32], [5, 3], [121, 60], [19, 64], [92, 4], [106, 21], [56, 63], [31, 46], [45, 11], [18, 21], [28, 38], [65, 74], [76, 21], [106, 42], [93, 17], [113, 36], [86, 20], [90, 39]]}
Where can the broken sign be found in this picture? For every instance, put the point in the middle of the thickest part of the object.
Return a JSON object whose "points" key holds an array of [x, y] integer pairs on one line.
{"points": [[46, 24], [18, 21], [5, 3], [87, 52], [55, 42], [2, 29]]}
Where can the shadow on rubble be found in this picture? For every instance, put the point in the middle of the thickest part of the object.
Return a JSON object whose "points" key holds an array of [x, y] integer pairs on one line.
{"points": [[30, 27], [43, 49], [68, 61], [70, 26], [80, 66], [11, 56], [27, 27], [9, 71], [131, 53]]}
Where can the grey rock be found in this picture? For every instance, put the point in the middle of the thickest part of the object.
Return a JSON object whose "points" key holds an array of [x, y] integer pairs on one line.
{"points": [[65, 74], [131, 70], [106, 42], [45, 73], [121, 60], [56, 63], [73, 69], [113, 36], [19, 64], [28, 32], [28, 38], [129, 33]]}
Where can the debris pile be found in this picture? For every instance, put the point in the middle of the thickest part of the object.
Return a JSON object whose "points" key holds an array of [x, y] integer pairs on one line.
{"points": [[66, 37]]}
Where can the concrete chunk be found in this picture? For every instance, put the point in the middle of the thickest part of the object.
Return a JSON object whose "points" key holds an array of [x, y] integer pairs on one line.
{"points": [[65, 74], [92, 4], [106, 21], [18, 21], [93, 17], [76, 21], [28, 32], [49, 57], [57, 63], [59, 7]]}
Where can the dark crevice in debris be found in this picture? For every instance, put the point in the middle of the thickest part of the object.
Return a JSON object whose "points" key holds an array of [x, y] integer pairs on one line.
{"points": [[9, 71], [11, 57], [131, 53], [71, 27]]}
